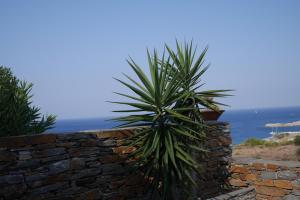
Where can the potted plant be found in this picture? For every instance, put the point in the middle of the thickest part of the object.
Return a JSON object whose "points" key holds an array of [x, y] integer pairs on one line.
{"points": [[211, 114]]}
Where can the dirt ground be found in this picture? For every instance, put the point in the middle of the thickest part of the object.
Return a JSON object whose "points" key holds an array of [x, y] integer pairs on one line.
{"points": [[285, 152]]}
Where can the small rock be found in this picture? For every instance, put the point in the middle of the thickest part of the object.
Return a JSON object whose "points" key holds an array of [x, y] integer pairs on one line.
{"points": [[77, 163], [112, 134], [84, 181], [49, 152], [42, 139], [296, 184], [283, 184], [225, 141], [268, 175], [94, 164], [290, 197], [7, 156], [24, 155], [265, 190], [287, 175], [67, 144], [54, 158], [237, 183], [49, 188], [251, 177], [107, 143], [87, 173], [239, 169], [84, 151], [258, 166], [59, 167], [36, 177], [124, 150], [28, 163], [296, 192], [272, 167], [11, 179], [13, 191], [88, 143]]}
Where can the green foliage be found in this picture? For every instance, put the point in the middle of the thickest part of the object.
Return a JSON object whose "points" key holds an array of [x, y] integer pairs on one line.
{"points": [[166, 107], [254, 142], [17, 116], [297, 140], [298, 153], [258, 142], [287, 142]]}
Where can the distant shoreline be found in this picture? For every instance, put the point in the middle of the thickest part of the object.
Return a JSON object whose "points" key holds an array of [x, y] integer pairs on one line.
{"points": [[279, 125], [282, 136]]}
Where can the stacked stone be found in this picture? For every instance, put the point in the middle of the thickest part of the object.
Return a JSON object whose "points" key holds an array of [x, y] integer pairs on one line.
{"points": [[241, 194], [94, 165], [216, 161], [271, 179], [69, 166]]}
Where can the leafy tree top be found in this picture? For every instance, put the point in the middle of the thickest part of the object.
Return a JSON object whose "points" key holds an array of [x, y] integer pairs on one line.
{"points": [[17, 115]]}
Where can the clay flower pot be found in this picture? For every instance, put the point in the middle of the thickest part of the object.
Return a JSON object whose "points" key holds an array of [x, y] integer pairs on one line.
{"points": [[211, 115]]}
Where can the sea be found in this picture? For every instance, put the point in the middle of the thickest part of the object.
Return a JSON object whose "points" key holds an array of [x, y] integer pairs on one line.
{"points": [[244, 124]]}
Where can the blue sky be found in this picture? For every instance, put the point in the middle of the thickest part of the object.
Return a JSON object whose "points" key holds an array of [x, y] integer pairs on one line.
{"points": [[71, 50]]}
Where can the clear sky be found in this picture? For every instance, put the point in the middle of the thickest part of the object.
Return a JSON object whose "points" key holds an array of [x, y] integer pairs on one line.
{"points": [[71, 50]]}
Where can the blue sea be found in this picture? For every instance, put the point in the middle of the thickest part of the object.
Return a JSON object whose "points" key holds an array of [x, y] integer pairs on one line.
{"points": [[244, 123]]}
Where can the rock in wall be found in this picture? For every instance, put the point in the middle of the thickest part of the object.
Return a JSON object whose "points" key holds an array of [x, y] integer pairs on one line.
{"points": [[241, 194]]}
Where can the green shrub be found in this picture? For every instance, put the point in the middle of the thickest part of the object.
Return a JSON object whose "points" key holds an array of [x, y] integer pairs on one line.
{"points": [[254, 142], [298, 152], [289, 142], [297, 140], [272, 144], [259, 142], [17, 116]]}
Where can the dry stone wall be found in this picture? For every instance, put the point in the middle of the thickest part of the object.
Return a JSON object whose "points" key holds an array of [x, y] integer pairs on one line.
{"points": [[67, 166], [273, 180], [93, 165], [241, 194], [216, 162]]}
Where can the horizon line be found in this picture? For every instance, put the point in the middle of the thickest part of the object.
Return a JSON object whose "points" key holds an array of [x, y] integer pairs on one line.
{"points": [[234, 109]]}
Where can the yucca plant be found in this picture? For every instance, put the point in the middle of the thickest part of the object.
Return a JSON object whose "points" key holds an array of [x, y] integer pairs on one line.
{"points": [[190, 70], [166, 108]]}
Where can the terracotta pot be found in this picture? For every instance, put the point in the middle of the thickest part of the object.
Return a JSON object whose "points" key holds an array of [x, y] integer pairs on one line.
{"points": [[211, 115]]}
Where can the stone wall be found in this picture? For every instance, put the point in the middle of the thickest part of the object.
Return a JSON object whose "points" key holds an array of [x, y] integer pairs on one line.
{"points": [[241, 194], [271, 179], [92, 165], [66, 166], [215, 163]]}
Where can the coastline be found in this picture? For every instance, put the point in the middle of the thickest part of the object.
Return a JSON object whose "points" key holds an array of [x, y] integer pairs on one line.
{"points": [[282, 136]]}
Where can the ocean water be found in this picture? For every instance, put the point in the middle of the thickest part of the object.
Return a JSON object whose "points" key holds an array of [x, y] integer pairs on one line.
{"points": [[251, 123], [244, 123]]}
